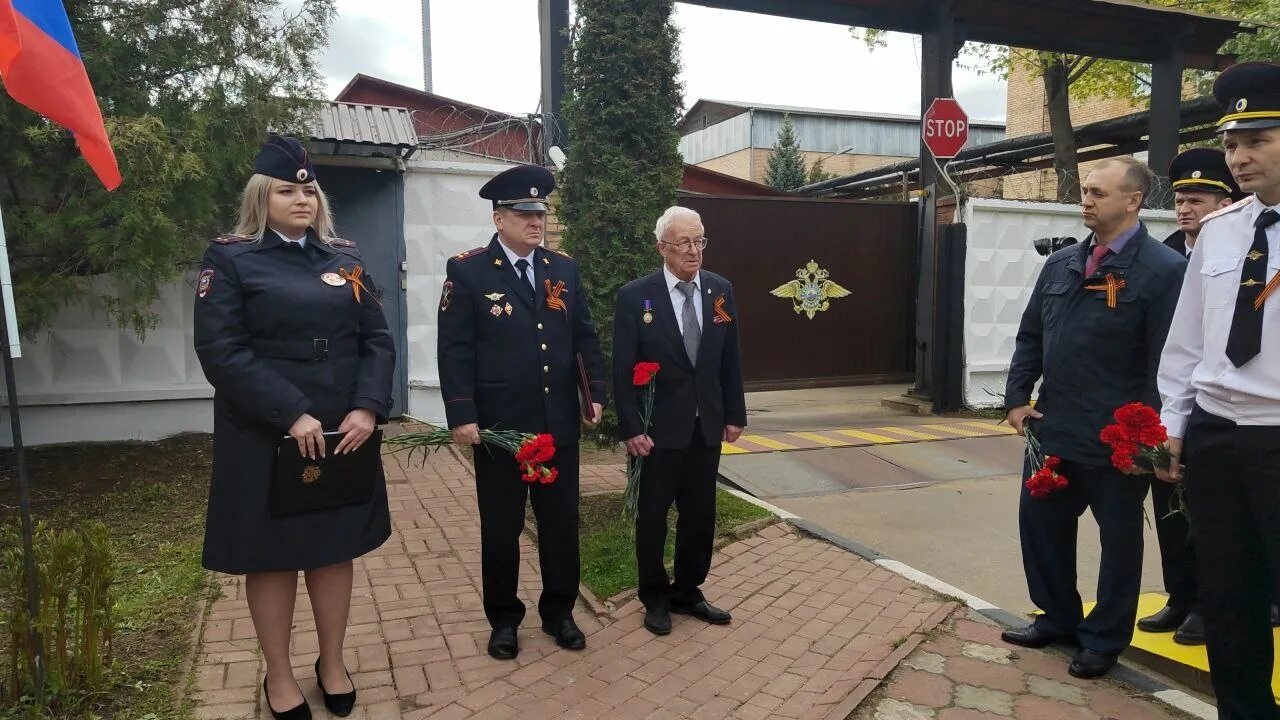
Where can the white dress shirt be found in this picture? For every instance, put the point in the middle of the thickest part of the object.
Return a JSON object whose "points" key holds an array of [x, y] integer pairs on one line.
{"points": [[300, 241], [1194, 368], [512, 258], [678, 299]]}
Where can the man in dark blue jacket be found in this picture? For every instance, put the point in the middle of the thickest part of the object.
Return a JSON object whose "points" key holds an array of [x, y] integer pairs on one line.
{"points": [[1092, 333], [513, 323]]}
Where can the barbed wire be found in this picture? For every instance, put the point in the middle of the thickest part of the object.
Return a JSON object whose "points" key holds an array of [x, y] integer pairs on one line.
{"points": [[485, 133]]}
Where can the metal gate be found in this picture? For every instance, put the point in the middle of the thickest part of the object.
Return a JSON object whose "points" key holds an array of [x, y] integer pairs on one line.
{"points": [[368, 208], [792, 261]]}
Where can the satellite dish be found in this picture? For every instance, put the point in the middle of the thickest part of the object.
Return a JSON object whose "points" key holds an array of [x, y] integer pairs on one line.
{"points": [[557, 156]]}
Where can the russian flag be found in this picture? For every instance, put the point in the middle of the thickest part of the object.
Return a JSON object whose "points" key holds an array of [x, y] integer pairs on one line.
{"points": [[41, 68]]}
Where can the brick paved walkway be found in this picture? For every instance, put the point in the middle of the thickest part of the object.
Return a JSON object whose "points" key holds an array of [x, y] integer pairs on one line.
{"points": [[815, 631], [964, 672]]}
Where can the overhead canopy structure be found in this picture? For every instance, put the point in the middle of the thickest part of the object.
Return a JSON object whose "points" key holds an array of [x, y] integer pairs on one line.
{"points": [[1170, 39], [1117, 29]]}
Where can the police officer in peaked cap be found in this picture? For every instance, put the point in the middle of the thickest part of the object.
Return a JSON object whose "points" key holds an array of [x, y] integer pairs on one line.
{"points": [[290, 332], [1219, 379], [513, 319]]}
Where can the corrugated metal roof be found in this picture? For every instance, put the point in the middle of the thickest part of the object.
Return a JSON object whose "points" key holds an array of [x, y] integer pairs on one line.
{"points": [[717, 111], [340, 122]]}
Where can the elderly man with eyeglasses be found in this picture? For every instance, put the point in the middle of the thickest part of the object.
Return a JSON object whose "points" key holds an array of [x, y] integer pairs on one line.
{"points": [[685, 319]]}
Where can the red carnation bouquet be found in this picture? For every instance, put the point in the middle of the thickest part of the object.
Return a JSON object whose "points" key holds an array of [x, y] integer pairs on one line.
{"points": [[532, 452], [1045, 478], [533, 457], [642, 376], [1136, 434]]}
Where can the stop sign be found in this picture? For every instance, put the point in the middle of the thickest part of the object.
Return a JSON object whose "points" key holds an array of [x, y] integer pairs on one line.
{"points": [[945, 128]]}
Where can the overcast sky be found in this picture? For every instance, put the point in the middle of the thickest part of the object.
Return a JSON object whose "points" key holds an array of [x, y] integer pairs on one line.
{"points": [[486, 52]]}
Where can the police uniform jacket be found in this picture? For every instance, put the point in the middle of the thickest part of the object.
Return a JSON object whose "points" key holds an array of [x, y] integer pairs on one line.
{"points": [[1093, 358], [508, 362], [277, 341]]}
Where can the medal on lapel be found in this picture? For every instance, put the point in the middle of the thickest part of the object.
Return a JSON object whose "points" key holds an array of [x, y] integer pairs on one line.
{"points": [[333, 279], [493, 297], [721, 315], [507, 309], [496, 311], [647, 317]]}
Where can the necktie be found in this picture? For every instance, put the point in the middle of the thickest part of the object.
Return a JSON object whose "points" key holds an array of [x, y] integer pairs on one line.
{"points": [[523, 266], [1095, 259], [1245, 341], [689, 318]]}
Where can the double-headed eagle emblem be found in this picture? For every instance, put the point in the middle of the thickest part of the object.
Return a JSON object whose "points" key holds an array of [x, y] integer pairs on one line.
{"points": [[811, 291]]}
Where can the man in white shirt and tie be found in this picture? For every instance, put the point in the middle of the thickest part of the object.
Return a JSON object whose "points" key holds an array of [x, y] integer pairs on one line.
{"points": [[1219, 379], [684, 318]]}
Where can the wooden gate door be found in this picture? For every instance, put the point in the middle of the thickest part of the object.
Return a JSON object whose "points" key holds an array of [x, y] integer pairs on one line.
{"points": [[825, 288]]}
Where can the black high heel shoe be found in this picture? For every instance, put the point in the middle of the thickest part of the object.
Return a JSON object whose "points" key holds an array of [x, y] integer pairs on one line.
{"points": [[339, 704], [301, 712]]}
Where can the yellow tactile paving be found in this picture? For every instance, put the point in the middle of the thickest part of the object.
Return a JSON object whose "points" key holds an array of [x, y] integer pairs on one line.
{"points": [[821, 439], [910, 433], [957, 430], [868, 436], [888, 435], [768, 442], [991, 427]]}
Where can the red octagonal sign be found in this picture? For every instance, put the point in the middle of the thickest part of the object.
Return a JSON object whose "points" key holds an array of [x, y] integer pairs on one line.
{"points": [[945, 128]]}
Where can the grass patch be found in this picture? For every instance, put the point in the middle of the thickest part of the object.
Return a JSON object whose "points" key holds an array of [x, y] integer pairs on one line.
{"points": [[608, 545], [152, 497]]}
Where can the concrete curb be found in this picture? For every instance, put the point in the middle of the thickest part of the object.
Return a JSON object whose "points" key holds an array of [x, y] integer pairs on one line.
{"points": [[1124, 673]]}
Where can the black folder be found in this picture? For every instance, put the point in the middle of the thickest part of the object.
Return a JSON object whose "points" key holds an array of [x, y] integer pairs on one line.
{"points": [[302, 485]]}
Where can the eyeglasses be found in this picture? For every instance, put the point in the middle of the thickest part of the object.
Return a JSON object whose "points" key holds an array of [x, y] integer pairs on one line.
{"points": [[687, 245]]}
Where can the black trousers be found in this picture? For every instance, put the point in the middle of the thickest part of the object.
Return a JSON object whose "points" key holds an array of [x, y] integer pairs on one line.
{"points": [[501, 496], [1048, 527], [686, 477], [1233, 490], [1177, 555]]}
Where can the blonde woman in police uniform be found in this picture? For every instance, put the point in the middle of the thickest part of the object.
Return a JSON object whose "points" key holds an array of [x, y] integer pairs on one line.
{"points": [[292, 337], [1220, 382]]}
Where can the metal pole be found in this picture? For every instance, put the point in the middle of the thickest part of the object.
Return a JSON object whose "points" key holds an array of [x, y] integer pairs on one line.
{"points": [[426, 46], [24, 499]]}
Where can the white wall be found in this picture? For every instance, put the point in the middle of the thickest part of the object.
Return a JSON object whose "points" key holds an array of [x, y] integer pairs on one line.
{"points": [[83, 378], [1000, 269], [443, 216]]}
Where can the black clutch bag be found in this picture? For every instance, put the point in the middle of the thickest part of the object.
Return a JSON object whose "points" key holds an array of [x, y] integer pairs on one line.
{"points": [[302, 485]]}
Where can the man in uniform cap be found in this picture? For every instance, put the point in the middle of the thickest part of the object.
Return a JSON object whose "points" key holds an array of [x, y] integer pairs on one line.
{"points": [[1202, 184], [513, 321], [1220, 382]]}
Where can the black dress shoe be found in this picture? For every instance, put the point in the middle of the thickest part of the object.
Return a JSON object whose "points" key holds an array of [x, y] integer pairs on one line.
{"points": [[1167, 620], [1191, 631], [657, 620], [300, 712], [1089, 664], [566, 633], [1030, 636], [703, 611], [503, 644], [339, 704]]}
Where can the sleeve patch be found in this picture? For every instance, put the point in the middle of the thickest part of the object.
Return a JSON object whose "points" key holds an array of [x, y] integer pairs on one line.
{"points": [[446, 295], [205, 282]]}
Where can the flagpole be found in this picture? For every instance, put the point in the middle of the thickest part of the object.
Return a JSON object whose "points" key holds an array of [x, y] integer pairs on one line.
{"points": [[24, 499]]}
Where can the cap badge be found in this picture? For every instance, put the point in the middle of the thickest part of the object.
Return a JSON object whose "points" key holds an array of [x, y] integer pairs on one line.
{"points": [[533, 192], [1241, 104], [302, 175], [1196, 174]]}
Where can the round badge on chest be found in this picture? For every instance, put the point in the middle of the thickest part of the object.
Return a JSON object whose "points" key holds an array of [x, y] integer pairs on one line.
{"points": [[333, 279]]}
